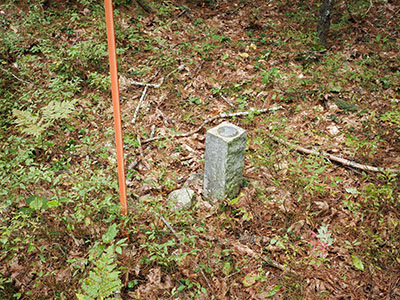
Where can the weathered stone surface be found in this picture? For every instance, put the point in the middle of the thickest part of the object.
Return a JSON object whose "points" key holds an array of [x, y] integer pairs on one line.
{"points": [[224, 161], [181, 199]]}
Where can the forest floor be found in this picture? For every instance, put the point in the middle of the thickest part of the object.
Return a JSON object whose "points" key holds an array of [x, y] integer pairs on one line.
{"points": [[303, 226]]}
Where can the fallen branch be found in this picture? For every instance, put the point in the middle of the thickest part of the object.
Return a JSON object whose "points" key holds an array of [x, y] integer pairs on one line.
{"points": [[219, 116], [332, 157], [140, 103], [156, 86]]}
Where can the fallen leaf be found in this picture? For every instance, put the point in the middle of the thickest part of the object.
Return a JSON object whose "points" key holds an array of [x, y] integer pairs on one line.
{"points": [[358, 264]]}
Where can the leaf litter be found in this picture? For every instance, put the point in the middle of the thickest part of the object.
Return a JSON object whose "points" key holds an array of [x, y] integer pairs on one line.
{"points": [[263, 238]]}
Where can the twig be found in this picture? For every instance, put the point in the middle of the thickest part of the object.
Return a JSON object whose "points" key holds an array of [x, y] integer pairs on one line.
{"points": [[196, 69], [170, 227], [187, 12], [140, 102], [19, 79], [219, 116], [335, 158], [154, 76], [142, 152], [144, 5], [156, 86], [370, 6], [391, 18], [153, 129], [227, 101]]}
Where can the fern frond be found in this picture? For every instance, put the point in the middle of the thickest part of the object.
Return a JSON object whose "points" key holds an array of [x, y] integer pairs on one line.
{"points": [[103, 281]]}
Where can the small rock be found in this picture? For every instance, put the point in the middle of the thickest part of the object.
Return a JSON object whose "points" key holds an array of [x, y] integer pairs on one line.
{"points": [[333, 107], [181, 199], [333, 130]]}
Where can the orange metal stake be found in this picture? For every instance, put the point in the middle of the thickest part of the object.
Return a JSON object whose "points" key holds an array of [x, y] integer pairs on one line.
{"points": [[112, 54]]}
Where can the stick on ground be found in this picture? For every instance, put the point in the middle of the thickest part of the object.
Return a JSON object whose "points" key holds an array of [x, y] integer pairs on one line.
{"points": [[332, 157], [140, 103], [219, 116]]}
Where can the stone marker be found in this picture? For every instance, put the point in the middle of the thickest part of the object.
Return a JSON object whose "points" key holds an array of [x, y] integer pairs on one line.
{"points": [[181, 199], [224, 161]]}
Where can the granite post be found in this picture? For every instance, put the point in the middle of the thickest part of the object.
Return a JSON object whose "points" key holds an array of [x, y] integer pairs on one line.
{"points": [[224, 161]]}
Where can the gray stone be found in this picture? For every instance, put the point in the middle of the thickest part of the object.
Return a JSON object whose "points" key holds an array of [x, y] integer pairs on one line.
{"points": [[181, 199], [224, 161]]}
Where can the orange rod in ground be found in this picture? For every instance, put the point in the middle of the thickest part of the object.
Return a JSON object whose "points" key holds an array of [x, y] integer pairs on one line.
{"points": [[112, 54]]}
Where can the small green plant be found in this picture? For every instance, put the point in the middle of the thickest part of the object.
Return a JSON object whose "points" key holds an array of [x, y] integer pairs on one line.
{"points": [[103, 282], [268, 77], [194, 288], [34, 124], [320, 242], [194, 100]]}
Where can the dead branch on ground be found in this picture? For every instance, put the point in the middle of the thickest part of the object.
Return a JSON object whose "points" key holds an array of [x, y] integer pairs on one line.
{"points": [[139, 104], [332, 157], [219, 116]]}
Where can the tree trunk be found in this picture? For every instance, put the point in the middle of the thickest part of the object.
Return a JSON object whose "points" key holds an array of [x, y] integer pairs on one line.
{"points": [[324, 21]]}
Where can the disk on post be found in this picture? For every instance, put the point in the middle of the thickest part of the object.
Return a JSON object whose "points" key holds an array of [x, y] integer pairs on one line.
{"points": [[224, 161]]}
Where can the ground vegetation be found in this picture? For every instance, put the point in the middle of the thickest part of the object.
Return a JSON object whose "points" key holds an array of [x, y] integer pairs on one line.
{"points": [[303, 227]]}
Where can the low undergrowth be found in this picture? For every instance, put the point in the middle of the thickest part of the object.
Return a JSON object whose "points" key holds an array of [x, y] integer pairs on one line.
{"points": [[303, 227]]}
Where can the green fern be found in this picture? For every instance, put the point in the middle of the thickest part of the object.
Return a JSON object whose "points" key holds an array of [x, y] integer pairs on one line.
{"points": [[30, 122], [103, 282], [57, 110], [34, 125]]}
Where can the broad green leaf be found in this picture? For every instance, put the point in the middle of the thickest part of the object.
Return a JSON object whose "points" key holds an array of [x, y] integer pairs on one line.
{"points": [[111, 233], [227, 267], [336, 89], [357, 263], [249, 280], [352, 191], [53, 203], [181, 287], [234, 201], [36, 203], [273, 291]]}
